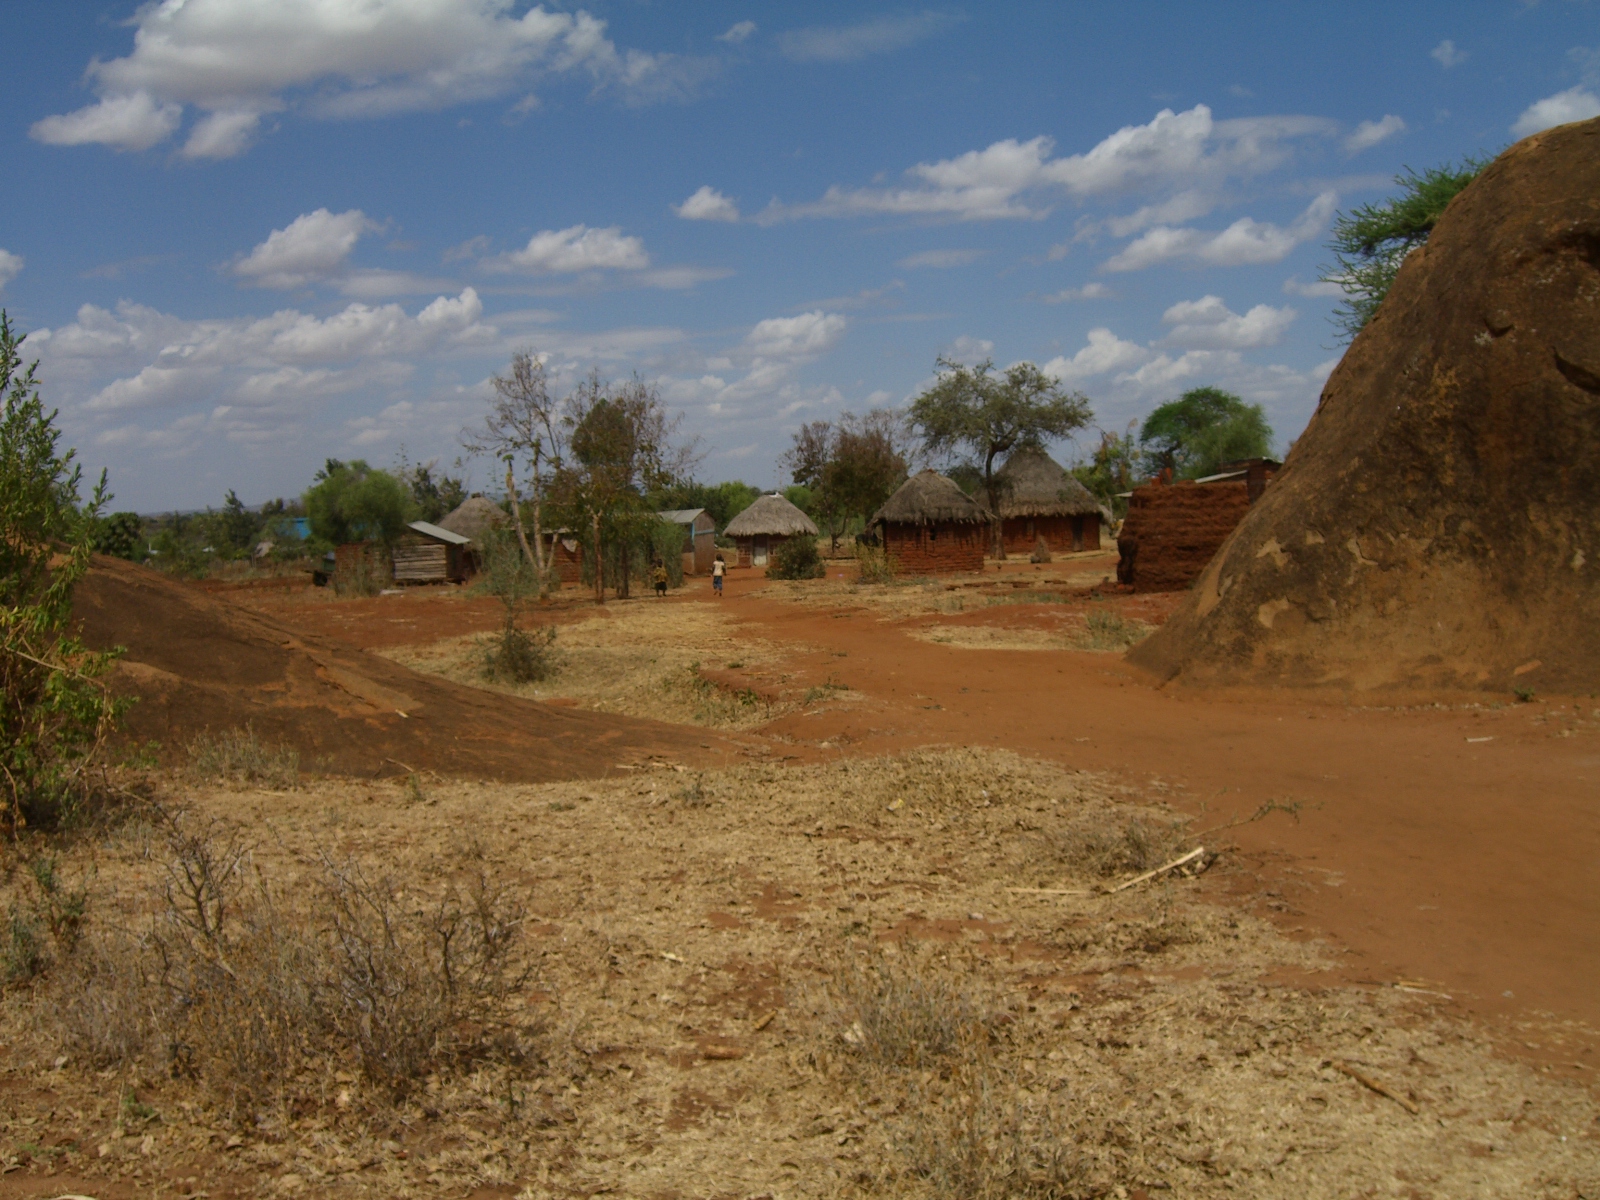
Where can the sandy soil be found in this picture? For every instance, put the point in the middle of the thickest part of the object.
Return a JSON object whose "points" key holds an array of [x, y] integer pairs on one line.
{"points": [[722, 960], [718, 949]]}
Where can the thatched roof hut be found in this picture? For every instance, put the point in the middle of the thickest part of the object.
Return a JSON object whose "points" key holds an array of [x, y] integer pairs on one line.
{"points": [[770, 515], [764, 526], [1032, 484], [931, 527], [928, 498], [474, 517]]}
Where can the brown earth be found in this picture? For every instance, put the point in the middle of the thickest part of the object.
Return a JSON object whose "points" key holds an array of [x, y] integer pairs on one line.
{"points": [[1437, 526], [200, 663]]}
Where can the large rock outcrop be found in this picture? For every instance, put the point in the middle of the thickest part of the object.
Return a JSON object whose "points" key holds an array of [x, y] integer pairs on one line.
{"points": [[1437, 526]]}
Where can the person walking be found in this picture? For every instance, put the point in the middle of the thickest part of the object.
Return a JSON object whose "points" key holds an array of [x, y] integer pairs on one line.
{"points": [[718, 569], [661, 579]]}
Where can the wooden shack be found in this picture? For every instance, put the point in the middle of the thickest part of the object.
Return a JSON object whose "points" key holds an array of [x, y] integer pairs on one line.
{"points": [[699, 537], [1038, 499], [1173, 530], [760, 529], [931, 527], [428, 553]]}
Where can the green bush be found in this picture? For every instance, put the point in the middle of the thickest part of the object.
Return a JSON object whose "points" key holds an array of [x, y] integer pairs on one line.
{"points": [[55, 713], [797, 558]]}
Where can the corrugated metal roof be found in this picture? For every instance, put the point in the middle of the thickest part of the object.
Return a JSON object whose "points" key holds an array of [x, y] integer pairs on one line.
{"points": [[680, 516], [444, 535]]}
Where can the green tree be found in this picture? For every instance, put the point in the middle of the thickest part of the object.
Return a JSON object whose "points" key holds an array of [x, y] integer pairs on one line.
{"points": [[970, 411], [54, 711], [1113, 467], [624, 448], [1369, 243], [1204, 428], [120, 534], [432, 497], [849, 469], [235, 527], [724, 501], [352, 502]]}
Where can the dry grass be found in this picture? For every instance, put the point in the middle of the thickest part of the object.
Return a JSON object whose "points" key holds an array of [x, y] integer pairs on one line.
{"points": [[703, 942], [639, 659], [238, 756], [1097, 629]]}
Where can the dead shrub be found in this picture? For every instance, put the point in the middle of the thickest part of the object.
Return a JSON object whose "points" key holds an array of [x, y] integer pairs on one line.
{"points": [[239, 756], [904, 1015], [252, 987], [981, 1140], [1103, 850], [521, 656]]}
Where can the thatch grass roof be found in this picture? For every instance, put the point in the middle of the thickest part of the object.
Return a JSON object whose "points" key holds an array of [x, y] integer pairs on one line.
{"points": [[1032, 484], [473, 517], [928, 498], [771, 514]]}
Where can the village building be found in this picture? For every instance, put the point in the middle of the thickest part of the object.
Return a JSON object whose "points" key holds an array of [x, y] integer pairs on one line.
{"points": [[1172, 530], [1038, 499], [931, 527], [427, 553], [699, 537], [564, 552], [472, 519], [760, 529]]}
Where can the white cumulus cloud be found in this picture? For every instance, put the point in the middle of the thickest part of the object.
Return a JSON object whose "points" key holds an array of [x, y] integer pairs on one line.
{"points": [[10, 266], [1208, 323], [1446, 54], [1369, 133], [1574, 104], [1105, 352], [804, 336], [237, 59], [1188, 151], [128, 121], [1245, 242], [707, 204], [737, 32], [576, 248], [313, 246]]}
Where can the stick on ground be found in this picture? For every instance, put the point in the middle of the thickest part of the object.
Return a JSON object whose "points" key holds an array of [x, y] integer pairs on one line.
{"points": [[1177, 862], [1368, 1081]]}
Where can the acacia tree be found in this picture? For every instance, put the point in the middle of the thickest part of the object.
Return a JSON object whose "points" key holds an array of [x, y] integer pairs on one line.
{"points": [[1369, 243], [523, 424], [850, 468], [1195, 434], [624, 447], [970, 412], [351, 501], [1112, 467]]}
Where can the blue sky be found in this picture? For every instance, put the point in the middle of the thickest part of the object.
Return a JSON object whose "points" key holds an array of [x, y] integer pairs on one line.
{"points": [[247, 236]]}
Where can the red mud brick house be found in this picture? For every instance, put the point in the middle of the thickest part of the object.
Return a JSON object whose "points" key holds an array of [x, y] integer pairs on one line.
{"points": [[931, 527], [1173, 530], [760, 529], [1038, 499]]}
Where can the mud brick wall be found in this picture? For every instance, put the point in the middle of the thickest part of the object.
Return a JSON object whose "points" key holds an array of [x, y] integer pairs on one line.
{"points": [[1172, 532], [936, 549], [1058, 533]]}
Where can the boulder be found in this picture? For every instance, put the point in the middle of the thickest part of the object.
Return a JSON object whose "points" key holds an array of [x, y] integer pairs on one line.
{"points": [[1437, 526]]}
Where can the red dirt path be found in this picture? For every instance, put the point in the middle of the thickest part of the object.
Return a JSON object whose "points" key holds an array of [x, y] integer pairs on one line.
{"points": [[1471, 865]]}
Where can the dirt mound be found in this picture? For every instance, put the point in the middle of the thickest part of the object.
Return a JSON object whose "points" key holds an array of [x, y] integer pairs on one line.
{"points": [[1437, 527], [198, 663]]}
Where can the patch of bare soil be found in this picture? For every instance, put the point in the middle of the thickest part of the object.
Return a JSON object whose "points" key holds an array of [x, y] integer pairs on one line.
{"points": [[824, 980], [200, 665]]}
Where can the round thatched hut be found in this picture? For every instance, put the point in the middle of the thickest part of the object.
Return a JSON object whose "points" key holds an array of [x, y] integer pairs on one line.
{"points": [[473, 517], [931, 527], [1038, 499], [760, 529]]}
